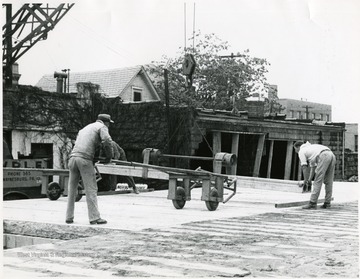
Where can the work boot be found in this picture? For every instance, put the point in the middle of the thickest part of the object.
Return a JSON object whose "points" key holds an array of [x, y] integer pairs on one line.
{"points": [[98, 222], [136, 190], [69, 221], [326, 205], [311, 205]]}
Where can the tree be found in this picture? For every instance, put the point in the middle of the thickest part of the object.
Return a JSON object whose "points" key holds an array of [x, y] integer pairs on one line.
{"points": [[219, 82]]}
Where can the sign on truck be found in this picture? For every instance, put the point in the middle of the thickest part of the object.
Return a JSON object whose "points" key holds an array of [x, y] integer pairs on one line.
{"points": [[22, 184]]}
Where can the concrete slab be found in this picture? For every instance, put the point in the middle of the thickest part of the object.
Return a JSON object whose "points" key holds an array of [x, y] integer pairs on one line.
{"points": [[153, 209], [147, 237]]}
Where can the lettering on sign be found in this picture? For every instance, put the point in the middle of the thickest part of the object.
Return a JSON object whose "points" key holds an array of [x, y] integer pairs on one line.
{"points": [[22, 178], [24, 163]]}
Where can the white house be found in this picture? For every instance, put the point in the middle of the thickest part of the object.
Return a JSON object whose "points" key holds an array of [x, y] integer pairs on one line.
{"points": [[131, 84]]}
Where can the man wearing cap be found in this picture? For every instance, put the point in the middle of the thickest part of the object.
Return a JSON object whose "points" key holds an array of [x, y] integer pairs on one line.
{"points": [[321, 161], [81, 166]]}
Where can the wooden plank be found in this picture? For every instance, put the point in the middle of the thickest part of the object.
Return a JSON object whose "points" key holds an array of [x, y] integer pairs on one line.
{"points": [[135, 171], [300, 203], [156, 172], [269, 180], [288, 160], [235, 150], [271, 151], [242, 181], [259, 153], [269, 184]]}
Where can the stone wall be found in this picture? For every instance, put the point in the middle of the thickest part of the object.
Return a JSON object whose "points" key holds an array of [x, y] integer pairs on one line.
{"points": [[351, 164], [144, 125]]}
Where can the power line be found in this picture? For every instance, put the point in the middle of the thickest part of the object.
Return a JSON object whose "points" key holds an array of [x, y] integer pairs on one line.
{"points": [[89, 31]]}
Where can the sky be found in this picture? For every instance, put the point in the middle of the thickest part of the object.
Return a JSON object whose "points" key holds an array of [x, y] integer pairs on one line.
{"points": [[313, 46]]}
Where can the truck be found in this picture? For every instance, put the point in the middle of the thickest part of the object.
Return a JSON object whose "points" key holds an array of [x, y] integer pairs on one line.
{"points": [[22, 184]]}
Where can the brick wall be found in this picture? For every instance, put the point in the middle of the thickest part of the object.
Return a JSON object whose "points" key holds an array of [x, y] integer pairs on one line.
{"points": [[255, 109]]}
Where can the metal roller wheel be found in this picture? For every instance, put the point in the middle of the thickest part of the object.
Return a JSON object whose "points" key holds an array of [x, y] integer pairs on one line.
{"points": [[180, 202], [212, 205], [53, 191]]}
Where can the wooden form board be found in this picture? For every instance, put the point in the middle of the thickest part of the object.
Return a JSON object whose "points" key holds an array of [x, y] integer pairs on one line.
{"points": [[242, 181], [269, 184], [135, 171], [300, 203]]}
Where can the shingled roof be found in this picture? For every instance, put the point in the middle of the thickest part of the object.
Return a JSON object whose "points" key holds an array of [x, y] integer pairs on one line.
{"points": [[112, 82]]}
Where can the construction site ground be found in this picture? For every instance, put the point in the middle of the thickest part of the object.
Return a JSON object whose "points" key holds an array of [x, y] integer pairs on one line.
{"points": [[147, 237]]}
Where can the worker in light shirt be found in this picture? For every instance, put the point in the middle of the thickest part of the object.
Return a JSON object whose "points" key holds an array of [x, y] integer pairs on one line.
{"points": [[321, 161]]}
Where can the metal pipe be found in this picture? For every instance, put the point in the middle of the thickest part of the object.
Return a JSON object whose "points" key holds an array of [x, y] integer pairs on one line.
{"points": [[199, 172], [234, 181], [186, 157]]}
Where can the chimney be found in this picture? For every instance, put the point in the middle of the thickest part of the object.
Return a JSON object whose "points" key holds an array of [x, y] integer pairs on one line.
{"points": [[59, 81]]}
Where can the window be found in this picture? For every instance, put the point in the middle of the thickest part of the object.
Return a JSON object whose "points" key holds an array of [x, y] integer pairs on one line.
{"points": [[137, 94], [321, 116], [292, 114], [313, 116], [327, 117], [299, 115]]}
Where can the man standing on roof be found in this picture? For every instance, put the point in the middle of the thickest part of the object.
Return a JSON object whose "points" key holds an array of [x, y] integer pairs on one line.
{"points": [[322, 162], [81, 165]]}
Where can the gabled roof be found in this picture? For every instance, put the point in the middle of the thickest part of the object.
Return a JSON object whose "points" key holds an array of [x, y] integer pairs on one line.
{"points": [[112, 82]]}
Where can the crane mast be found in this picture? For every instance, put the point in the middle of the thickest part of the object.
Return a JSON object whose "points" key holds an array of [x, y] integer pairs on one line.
{"points": [[30, 24]]}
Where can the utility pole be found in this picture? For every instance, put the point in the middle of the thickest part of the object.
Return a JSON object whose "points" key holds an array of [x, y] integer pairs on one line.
{"points": [[234, 110]]}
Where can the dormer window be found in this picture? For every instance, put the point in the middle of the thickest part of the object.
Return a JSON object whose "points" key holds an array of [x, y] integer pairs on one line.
{"points": [[137, 94]]}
